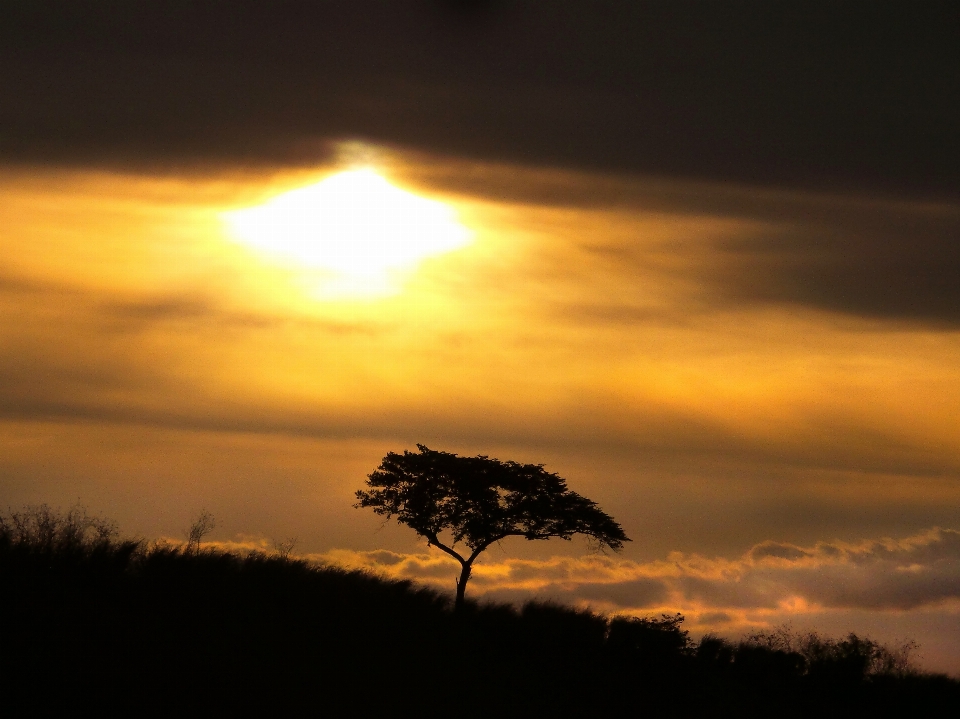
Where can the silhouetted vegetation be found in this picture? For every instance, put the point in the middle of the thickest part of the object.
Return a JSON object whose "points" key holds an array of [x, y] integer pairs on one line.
{"points": [[93, 623], [479, 501], [201, 527]]}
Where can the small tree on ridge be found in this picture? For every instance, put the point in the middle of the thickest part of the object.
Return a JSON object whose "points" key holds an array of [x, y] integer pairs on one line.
{"points": [[203, 525], [480, 501]]}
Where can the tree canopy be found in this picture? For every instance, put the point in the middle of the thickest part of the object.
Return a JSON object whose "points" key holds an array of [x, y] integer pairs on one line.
{"points": [[479, 501]]}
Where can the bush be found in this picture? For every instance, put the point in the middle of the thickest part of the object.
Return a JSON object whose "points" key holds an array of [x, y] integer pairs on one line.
{"points": [[852, 658], [42, 529]]}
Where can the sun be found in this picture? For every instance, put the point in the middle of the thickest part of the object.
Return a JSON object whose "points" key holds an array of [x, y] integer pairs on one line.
{"points": [[354, 230]]}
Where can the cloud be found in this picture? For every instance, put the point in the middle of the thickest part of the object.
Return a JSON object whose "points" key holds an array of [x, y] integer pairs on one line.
{"points": [[689, 88], [642, 592], [646, 343], [889, 262], [915, 572], [777, 550], [674, 251], [888, 574]]}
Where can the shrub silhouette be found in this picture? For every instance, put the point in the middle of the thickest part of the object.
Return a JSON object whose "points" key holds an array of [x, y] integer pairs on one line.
{"points": [[656, 643], [201, 527], [42, 529], [851, 658]]}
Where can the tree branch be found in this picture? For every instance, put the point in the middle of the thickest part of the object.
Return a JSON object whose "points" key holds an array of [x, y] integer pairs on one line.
{"points": [[432, 539], [487, 543]]}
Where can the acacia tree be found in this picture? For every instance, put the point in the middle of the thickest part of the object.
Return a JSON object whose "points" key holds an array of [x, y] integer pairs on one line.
{"points": [[480, 501]]}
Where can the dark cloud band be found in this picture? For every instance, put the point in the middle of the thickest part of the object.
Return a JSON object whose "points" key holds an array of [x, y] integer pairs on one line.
{"points": [[824, 94]]}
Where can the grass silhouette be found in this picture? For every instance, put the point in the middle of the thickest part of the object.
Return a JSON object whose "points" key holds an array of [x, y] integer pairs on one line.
{"points": [[96, 623]]}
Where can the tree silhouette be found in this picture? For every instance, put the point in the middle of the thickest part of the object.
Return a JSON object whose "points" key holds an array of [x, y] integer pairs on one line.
{"points": [[480, 501], [203, 525]]}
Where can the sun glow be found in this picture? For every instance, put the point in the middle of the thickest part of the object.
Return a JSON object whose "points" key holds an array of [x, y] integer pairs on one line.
{"points": [[358, 233]]}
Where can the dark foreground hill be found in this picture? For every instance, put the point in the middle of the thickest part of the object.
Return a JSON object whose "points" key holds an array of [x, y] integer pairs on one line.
{"points": [[96, 625]]}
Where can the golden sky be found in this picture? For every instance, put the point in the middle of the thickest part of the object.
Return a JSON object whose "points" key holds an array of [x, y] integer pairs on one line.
{"points": [[697, 259], [715, 364]]}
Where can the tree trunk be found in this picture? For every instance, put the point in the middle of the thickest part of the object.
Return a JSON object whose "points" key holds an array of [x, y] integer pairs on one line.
{"points": [[462, 585]]}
